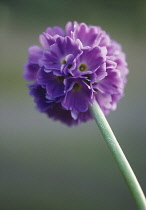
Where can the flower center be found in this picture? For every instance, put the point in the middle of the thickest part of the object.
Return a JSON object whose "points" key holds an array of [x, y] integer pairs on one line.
{"points": [[63, 61], [82, 67], [60, 78], [76, 86]]}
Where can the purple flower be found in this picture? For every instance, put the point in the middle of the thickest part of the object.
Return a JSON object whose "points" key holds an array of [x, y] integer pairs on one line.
{"points": [[40, 97], [33, 64], [53, 84], [60, 56], [89, 35], [89, 63], [75, 67], [49, 36], [78, 94]]}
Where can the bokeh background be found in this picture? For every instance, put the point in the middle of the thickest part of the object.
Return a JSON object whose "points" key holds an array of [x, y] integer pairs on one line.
{"points": [[45, 165]]}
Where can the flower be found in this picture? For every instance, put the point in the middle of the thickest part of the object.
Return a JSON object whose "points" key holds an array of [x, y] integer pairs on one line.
{"points": [[33, 64], [73, 68]]}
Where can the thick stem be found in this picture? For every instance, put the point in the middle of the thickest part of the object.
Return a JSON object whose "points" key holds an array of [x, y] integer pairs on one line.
{"points": [[119, 156]]}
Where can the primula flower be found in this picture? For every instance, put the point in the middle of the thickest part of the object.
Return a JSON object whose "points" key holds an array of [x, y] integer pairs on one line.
{"points": [[80, 73], [33, 64], [74, 68]]}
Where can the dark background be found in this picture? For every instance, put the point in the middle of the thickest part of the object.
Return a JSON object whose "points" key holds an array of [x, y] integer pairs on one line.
{"points": [[44, 165]]}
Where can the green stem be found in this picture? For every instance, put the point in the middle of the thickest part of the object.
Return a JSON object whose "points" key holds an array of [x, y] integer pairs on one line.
{"points": [[119, 156]]}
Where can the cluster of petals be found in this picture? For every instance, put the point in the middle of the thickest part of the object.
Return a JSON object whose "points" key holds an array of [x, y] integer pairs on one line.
{"points": [[73, 68]]}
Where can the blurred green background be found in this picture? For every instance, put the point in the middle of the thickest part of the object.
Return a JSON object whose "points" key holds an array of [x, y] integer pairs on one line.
{"points": [[45, 165]]}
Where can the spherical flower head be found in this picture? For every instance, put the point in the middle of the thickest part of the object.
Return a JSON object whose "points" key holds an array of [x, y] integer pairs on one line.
{"points": [[73, 68]]}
